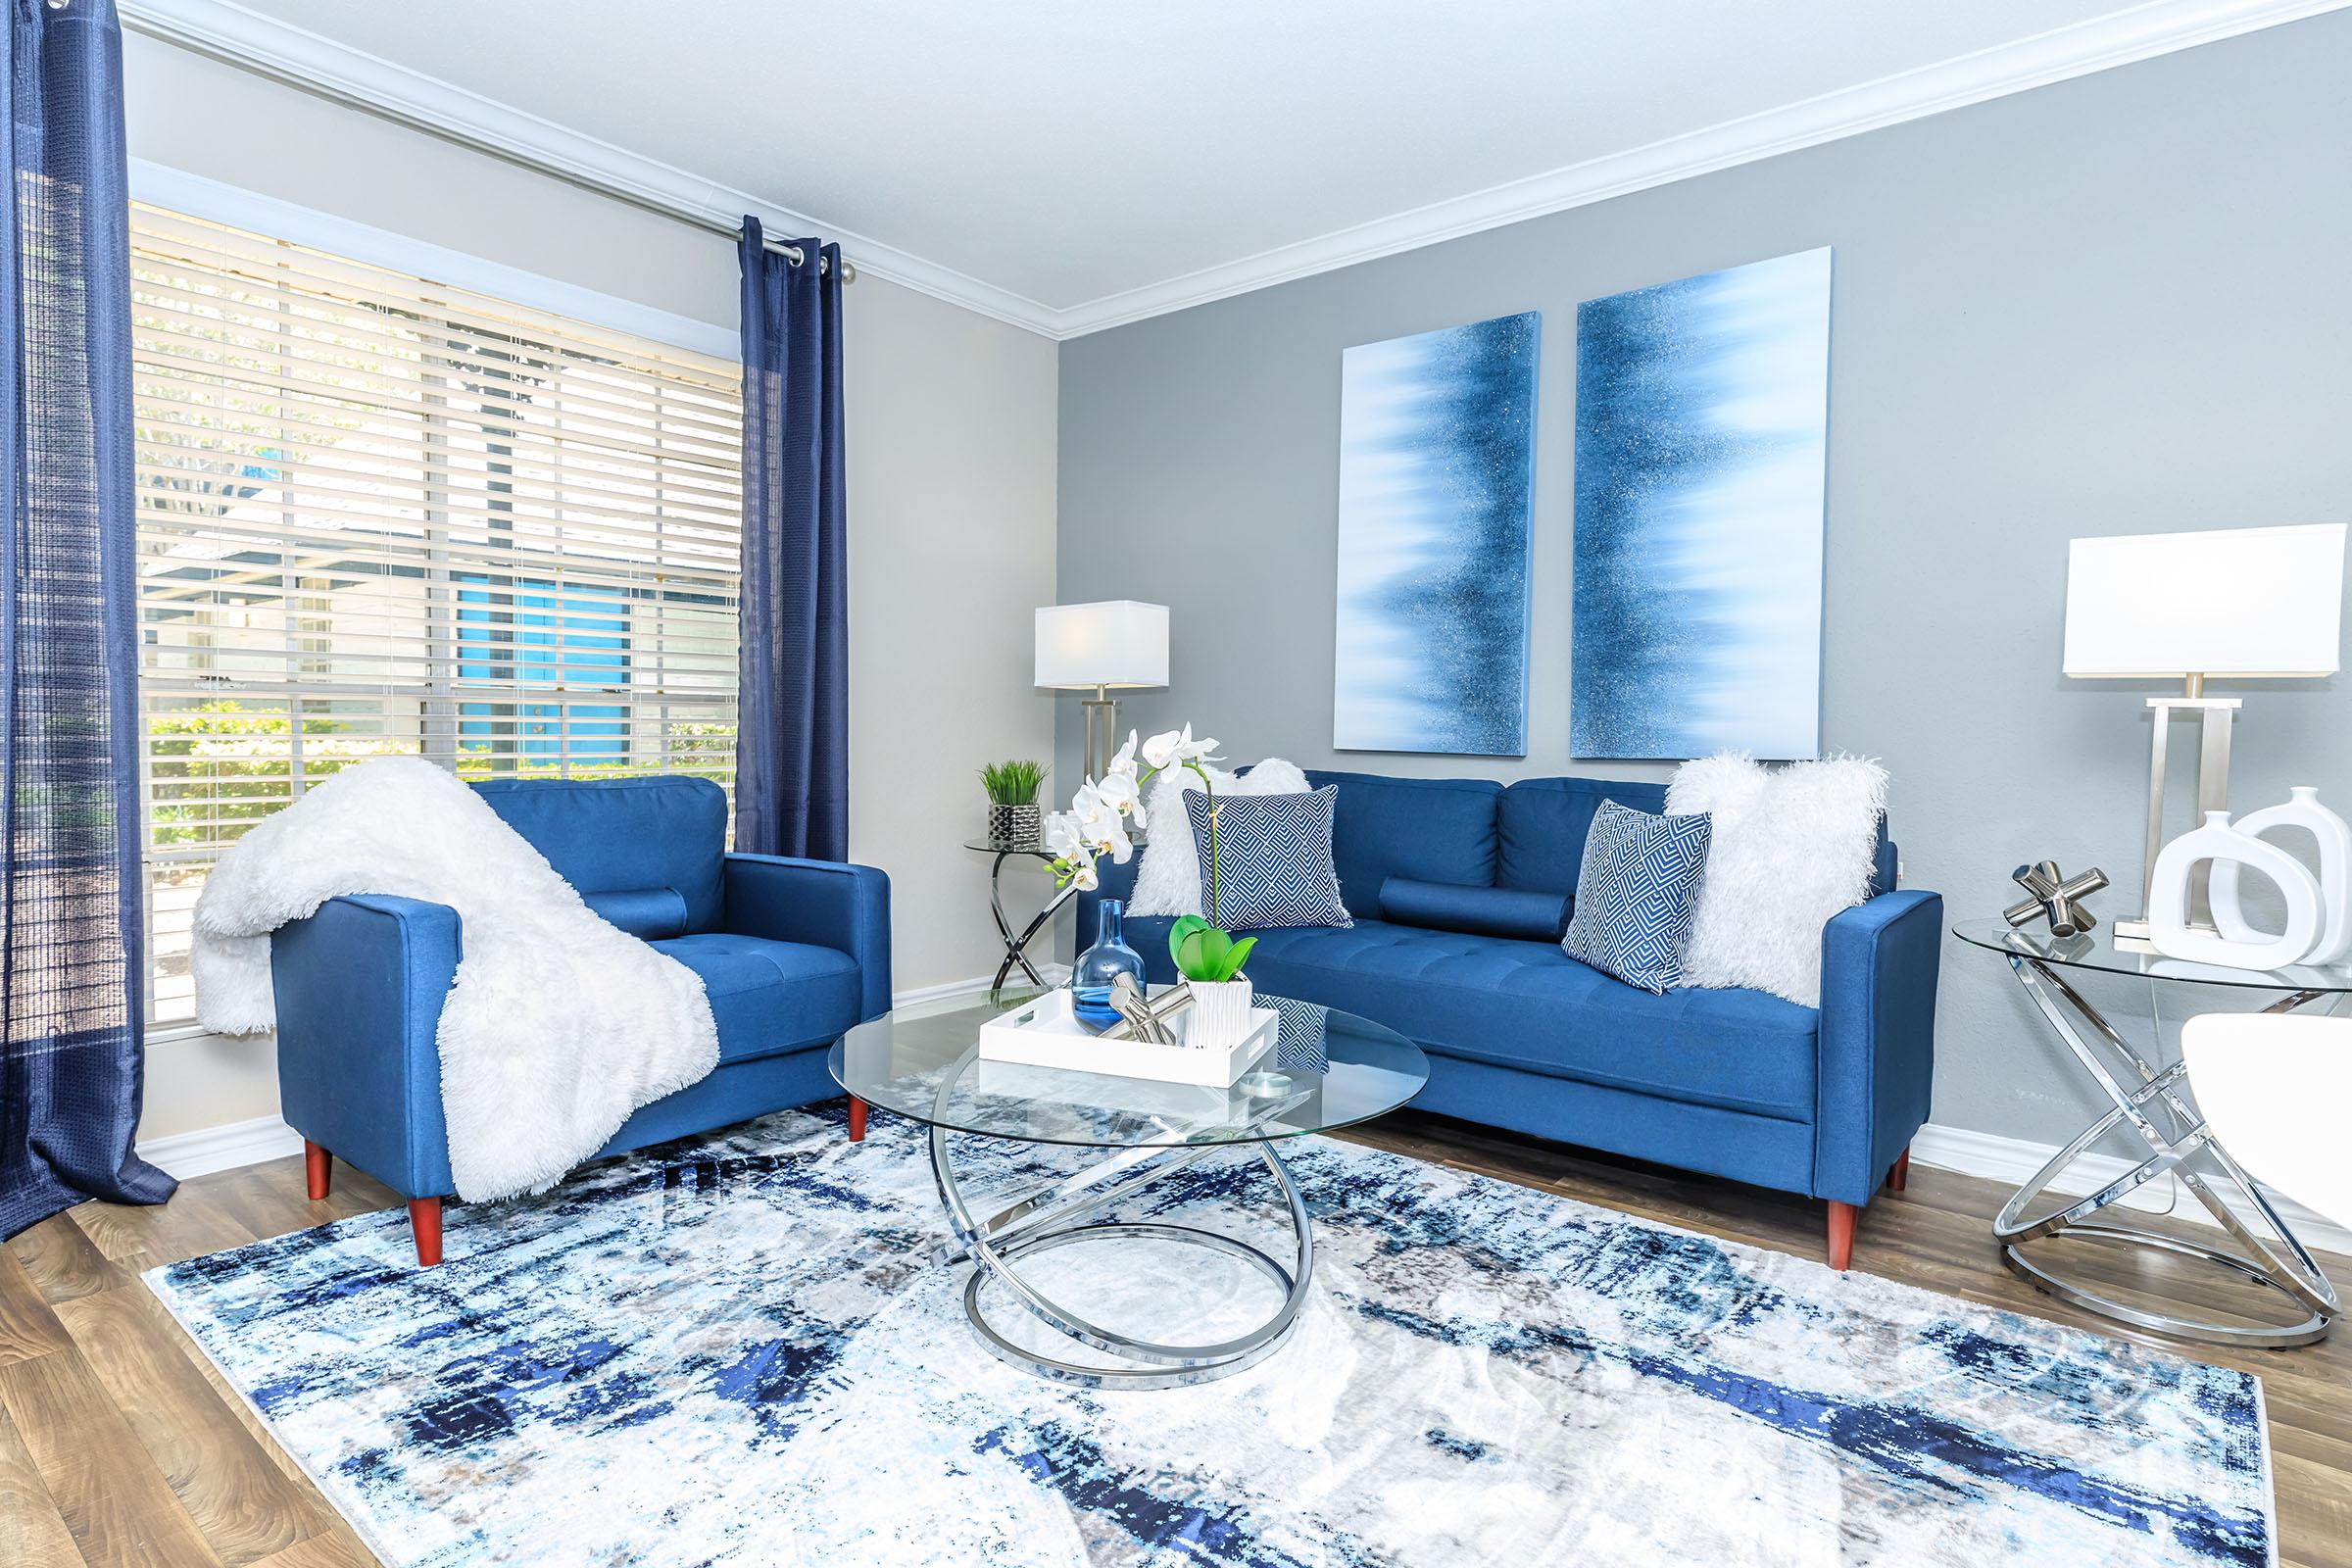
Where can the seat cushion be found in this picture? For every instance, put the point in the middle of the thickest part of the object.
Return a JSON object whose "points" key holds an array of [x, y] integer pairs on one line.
{"points": [[767, 997], [1529, 1006], [625, 834], [1429, 829]]}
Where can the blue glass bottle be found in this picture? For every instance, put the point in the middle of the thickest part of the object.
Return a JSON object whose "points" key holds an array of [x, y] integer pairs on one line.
{"points": [[1111, 956]]}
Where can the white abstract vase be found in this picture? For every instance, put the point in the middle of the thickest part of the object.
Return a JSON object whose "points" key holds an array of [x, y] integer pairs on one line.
{"points": [[1220, 1013], [2216, 841], [2301, 809]]}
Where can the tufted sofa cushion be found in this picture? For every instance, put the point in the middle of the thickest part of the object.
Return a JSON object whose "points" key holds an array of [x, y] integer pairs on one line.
{"points": [[1529, 1006]]}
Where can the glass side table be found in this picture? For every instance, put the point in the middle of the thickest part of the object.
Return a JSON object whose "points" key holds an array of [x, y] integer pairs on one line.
{"points": [[1017, 945], [2158, 1105]]}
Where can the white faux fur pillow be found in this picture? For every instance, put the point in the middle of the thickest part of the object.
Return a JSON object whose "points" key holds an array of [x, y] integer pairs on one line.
{"points": [[1791, 847], [1168, 881]]}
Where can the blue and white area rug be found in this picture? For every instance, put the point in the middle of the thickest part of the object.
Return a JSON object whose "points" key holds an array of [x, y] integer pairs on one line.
{"points": [[742, 1351]]}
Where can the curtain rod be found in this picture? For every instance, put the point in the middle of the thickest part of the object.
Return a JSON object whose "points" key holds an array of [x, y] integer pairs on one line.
{"points": [[136, 19]]}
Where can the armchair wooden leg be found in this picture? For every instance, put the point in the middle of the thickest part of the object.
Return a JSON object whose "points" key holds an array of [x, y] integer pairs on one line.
{"points": [[317, 1168], [1901, 1173], [1841, 1232], [425, 1222], [856, 1120]]}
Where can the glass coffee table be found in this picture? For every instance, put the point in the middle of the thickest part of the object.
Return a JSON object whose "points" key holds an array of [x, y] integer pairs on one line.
{"points": [[1337, 1069]]}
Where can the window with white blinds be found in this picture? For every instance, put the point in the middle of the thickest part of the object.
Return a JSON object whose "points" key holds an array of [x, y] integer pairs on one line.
{"points": [[381, 515]]}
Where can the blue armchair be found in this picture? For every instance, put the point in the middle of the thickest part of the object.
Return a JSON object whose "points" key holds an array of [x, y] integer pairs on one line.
{"points": [[791, 953]]}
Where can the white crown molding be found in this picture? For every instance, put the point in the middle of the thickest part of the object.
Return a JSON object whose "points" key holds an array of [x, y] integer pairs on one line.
{"points": [[2143, 32], [294, 55], [2013, 1161]]}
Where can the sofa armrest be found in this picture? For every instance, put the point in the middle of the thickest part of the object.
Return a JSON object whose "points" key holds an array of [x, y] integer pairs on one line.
{"points": [[1879, 965], [359, 988], [823, 903]]}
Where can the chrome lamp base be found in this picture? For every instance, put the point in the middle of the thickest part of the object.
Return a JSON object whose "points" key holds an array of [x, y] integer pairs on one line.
{"points": [[2216, 715]]}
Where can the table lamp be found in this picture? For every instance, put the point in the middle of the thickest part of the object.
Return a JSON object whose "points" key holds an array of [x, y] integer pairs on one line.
{"points": [[1112, 643], [2234, 604]]}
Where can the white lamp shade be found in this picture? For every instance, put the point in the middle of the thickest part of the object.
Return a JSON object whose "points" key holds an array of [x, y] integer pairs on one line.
{"points": [[2243, 602], [1116, 642]]}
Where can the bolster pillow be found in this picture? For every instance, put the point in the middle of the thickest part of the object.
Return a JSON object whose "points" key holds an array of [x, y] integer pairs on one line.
{"points": [[1518, 913], [649, 914]]}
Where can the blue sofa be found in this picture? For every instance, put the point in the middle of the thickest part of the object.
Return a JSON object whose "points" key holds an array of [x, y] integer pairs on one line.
{"points": [[1445, 876], [791, 953]]}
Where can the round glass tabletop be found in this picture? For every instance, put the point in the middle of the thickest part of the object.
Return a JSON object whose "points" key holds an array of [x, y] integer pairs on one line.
{"points": [[2098, 949], [1340, 1070]]}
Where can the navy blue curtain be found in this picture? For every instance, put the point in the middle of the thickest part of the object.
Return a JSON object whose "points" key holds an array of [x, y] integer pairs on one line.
{"points": [[71, 949], [792, 739]]}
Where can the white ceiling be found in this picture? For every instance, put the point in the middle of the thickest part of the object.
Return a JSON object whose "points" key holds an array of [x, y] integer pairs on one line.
{"points": [[1074, 152]]}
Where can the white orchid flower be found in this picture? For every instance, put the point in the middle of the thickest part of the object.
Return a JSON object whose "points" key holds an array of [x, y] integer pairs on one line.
{"points": [[1189, 750], [1062, 837], [1121, 792], [1123, 762], [1160, 750], [1083, 877]]}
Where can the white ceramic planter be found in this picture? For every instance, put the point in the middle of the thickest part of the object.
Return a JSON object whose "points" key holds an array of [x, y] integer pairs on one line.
{"points": [[2301, 809], [1220, 1012], [2216, 841]]}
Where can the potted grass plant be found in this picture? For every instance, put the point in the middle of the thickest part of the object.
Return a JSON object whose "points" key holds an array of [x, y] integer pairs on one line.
{"points": [[1014, 814]]}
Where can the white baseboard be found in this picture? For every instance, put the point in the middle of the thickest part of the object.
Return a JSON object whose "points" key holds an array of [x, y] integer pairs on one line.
{"points": [[249, 1142], [2008, 1161], [2013, 1161], [211, 1149]]}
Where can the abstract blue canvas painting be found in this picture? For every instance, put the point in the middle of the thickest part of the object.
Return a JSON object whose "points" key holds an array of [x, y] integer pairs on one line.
{"points": [[1701, 461], [1436, 494]]}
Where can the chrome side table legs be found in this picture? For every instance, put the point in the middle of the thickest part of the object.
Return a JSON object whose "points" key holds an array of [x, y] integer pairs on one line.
{"points": [[2153, 1104], [1016, 947], [1054, 1217]]}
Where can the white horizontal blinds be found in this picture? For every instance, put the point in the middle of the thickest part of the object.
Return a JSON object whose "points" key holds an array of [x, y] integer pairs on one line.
{"points": [[382, 516]]}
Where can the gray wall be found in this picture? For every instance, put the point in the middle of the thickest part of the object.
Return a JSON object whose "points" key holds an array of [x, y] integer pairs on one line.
{"points": [[2120, 304]]}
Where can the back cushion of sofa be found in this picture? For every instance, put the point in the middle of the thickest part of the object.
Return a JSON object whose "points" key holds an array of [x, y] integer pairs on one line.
{"points": [[1543, 821], [631, 835], [1429, 829]]}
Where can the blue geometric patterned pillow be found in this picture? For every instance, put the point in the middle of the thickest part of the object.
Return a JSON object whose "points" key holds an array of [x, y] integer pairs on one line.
{"points": [[1274, 863], [1636, 893]]}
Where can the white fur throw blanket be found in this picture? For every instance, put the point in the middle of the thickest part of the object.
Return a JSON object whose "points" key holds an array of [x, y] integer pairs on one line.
{"points": [[558, 1025]]}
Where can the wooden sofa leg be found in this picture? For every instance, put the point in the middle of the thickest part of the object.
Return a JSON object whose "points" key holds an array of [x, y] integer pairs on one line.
{"points": [[856, 1120], [1841, 1232], [425, 1222], [318, 1169], [1901, 1173]]}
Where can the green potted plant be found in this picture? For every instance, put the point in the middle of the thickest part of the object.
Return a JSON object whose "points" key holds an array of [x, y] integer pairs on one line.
{"points": [[1013, 815]]}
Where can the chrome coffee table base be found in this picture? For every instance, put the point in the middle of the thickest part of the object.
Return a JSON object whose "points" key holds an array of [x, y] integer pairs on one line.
{"points": [[2151, 1102], [1056, 1216]]}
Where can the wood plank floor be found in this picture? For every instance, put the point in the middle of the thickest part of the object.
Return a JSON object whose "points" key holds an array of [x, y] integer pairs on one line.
{"points": [[120, 1447]]}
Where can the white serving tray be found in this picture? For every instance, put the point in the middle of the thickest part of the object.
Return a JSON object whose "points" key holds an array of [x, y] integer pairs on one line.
{"points": [[1046, 1033]]}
